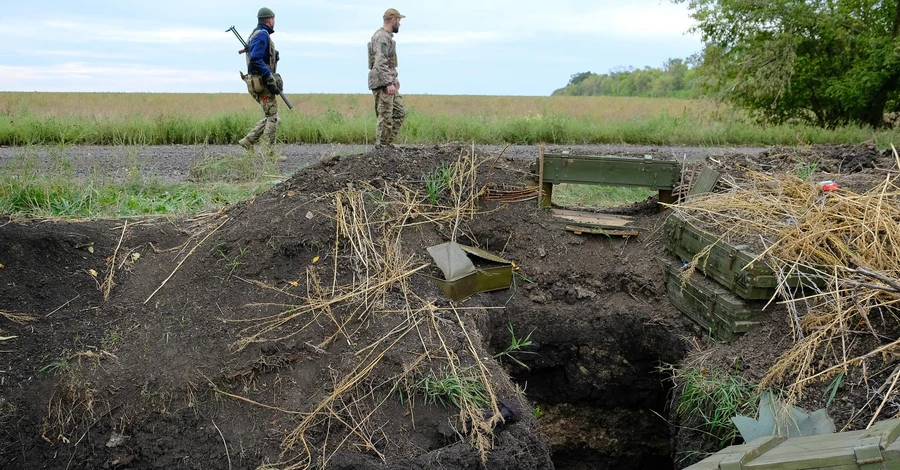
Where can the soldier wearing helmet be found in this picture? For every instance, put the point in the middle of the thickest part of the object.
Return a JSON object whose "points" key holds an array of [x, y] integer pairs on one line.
{"points": [[383, 80], [264, 84]]}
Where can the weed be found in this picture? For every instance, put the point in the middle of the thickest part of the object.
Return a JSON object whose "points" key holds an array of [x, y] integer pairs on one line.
{"points": [[436, 182], [538, 412], [516, 346], [111, 339], [806, 170], [234, 168], [457, 390], [708, 400], [59, 365], [232, 263], [832, 389]]}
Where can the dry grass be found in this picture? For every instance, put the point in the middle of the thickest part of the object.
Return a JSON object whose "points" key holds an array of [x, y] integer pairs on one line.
{"points": [[74, 401], [120, 105], [17, 318], [838, 272], [368, 246]]}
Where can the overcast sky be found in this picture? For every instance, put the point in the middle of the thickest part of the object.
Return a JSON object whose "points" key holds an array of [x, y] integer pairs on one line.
{"points": [[491, 47]]}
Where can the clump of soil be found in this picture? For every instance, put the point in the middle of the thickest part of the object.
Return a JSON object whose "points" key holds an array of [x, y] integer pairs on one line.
{"points": [[294, 330]]}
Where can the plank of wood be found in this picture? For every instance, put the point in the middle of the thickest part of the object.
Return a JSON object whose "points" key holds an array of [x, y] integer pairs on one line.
{"points": [[706, 182], [598, 214], [611, 232], [594, 219]]}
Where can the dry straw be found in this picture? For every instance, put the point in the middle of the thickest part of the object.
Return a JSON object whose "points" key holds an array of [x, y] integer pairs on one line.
{"points": [[840, 246], [368, 247]]}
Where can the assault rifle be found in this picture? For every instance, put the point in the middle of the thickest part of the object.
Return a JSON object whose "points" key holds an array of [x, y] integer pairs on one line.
{"points": [[246, 50]]}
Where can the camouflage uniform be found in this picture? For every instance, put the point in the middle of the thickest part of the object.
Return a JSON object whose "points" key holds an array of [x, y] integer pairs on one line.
{"points": [[267, 127], [383, 72]]}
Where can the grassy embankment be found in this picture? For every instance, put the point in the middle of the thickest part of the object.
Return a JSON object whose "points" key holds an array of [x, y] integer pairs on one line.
{"points": [[61, 119]]}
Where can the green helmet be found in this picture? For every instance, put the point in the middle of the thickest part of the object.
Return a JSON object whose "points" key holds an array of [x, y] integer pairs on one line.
{"points": [[265, 13]]}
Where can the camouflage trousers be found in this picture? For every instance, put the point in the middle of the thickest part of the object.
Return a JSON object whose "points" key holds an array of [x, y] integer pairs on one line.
{"points": [[267, 127], [390, 115]]}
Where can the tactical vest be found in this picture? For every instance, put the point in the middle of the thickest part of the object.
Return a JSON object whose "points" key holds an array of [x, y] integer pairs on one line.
{"points": [[391, 53], [271, 63]]}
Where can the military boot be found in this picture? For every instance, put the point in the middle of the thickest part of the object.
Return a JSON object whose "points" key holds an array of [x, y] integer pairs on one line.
{"points": [[270, 153], [245, 142]]}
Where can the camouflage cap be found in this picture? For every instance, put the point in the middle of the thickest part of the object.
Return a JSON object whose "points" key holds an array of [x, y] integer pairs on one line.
{"points": [[392, 13]]}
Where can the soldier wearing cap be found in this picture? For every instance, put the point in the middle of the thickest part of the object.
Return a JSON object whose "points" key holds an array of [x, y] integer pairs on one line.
{"points": [[383, 80], [264, 84]]}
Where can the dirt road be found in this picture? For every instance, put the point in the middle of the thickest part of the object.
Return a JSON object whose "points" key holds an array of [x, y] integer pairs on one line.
{"points": [[171, 163]]}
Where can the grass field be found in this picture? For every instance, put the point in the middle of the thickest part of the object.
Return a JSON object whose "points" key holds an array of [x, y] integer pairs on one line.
{"points": [[30, 189], [147, 119], [34, 187], [63, 119]]}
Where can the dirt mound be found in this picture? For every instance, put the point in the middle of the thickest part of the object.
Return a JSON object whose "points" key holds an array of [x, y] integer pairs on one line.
{"points": [[294, 330]]}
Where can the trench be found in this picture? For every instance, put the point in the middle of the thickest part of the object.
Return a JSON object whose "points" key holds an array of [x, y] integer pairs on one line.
{"points": [[595, 384]]}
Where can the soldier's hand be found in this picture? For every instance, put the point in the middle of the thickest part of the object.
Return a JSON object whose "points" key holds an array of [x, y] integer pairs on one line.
{"points": [[397, 84], [391, 89], [272, 85]]}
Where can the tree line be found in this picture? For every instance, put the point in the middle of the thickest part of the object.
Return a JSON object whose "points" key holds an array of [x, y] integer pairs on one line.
{"points": [[675, 79], [821, 62]]}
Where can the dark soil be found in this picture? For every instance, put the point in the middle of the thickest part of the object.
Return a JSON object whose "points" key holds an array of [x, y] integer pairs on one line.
{"points": [[151, 378]]}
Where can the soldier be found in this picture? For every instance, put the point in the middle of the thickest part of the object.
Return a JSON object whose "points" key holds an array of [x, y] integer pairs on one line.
{"points": [[383, 80], [264, 84]]}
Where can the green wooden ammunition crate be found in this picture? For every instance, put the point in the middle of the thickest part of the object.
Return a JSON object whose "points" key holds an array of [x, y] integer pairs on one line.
{"points": [[609, 170], [725, 262], [709, 304], [875, 448]]}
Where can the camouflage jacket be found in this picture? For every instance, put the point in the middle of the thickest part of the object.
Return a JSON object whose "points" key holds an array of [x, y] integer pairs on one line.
{"points": [[382, 59]]}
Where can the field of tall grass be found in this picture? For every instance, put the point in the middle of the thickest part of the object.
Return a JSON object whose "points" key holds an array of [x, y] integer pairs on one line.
{"points": [[148, 119]]}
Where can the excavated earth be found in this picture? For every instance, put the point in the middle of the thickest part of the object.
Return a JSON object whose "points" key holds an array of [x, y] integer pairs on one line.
{"points": [[151, 376]]}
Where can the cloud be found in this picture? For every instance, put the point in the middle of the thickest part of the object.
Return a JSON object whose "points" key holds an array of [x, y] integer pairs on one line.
{"points": [[112, 33], [73, 75], [80, 53], [55, 30], [631, 21]]}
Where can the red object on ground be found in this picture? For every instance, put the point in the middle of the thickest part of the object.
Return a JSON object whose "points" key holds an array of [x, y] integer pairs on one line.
{"points": [[828, 185]]}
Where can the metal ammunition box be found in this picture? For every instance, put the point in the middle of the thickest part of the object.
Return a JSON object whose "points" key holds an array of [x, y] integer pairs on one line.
{"points": [[468, 270], [875, 448], [709, 304], [610, 171], [725, 263]]}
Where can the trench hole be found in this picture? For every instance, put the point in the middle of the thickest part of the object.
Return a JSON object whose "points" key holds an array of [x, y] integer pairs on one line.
{"points": [[598, 393]]}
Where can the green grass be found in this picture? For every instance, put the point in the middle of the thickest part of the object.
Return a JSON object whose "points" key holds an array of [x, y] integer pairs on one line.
{"points": [[29, 190], [583, 195], [141, 119], [710, 398], [230, 168], [436, 182], [516, 347], [447, 388]]}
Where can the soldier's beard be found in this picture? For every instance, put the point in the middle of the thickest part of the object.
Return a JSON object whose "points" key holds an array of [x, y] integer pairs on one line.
{"points": [[397, 28]]}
